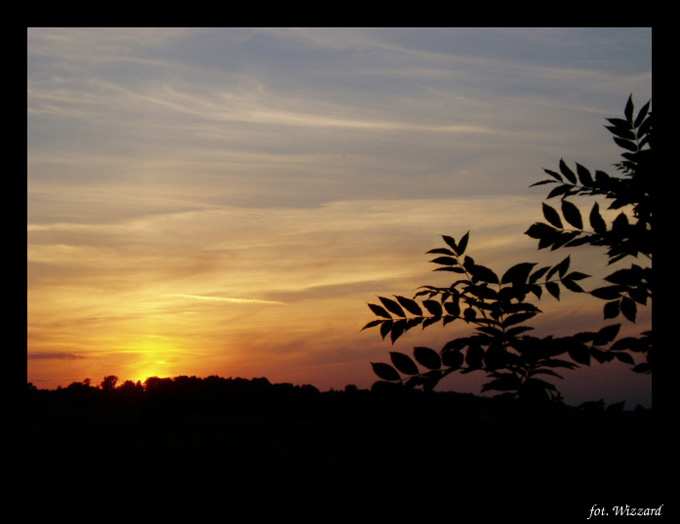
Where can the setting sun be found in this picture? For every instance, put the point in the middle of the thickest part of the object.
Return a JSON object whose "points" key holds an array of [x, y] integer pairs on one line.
{"points": [[147, 360]]}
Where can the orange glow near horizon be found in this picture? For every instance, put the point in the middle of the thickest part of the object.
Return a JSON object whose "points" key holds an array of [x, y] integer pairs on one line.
{"points": [[156, 311], [294, 319]]}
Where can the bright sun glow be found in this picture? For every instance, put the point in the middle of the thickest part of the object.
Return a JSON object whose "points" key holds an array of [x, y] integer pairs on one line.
{"points": [[150, 357], [154, 369]]}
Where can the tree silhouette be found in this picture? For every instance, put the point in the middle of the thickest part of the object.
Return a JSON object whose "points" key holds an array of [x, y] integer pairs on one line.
{"points": [[109, 383], [499, 307]]}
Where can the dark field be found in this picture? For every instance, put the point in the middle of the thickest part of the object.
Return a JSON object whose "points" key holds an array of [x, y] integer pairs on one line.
{"points": [[297, 442]]}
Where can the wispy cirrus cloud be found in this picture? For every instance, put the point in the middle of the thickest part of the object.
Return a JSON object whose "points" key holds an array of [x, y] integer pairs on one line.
{"points": [[55, 356], [229, 300]]}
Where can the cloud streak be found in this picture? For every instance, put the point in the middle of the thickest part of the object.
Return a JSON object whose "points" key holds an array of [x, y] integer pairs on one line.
{"points": [[228, 300]]}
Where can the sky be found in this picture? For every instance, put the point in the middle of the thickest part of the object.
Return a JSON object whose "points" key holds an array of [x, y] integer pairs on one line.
{"points": [[226, 201]]}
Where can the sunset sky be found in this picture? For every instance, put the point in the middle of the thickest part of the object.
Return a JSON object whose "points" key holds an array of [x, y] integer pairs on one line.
{"points": [[226, 201]]}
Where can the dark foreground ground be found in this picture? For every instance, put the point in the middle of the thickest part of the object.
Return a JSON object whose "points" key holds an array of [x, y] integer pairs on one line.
{"points": [[447, 456]]}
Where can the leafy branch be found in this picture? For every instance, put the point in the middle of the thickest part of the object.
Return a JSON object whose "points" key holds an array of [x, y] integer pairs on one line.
{"points": [[498, 308], [478, 297], [629, 233]]}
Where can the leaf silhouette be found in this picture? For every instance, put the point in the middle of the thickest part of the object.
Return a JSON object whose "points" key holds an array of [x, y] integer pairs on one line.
{"points": [[626, 144], [445, 261], [538, 274], [410, 305], [452, 308], [386, 328], [584, 175], [622, 131], [403, 363], [518, 318], [630, 108], [434, 307], [576, 275], [568, 173], [451, 242], [379, 311], [552, 216], [553, 174], [611, 309], [462, 244], [572, 214], [371, 324], [626, 358], [518, 274], [398, 329], [441, 251], [560, 268], [571, 285], [553, 289], [596, 221], [559, 190], [606, 334], [628, 308], [540, 231], [641, 115], [392, 306], [484, 274], [427, 357], [474, 355], [580, 353], [385, 371], [453, 359], [607, 292]]}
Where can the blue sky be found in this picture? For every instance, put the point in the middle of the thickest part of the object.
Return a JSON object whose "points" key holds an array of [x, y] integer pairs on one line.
{"points": [[285, 176]]}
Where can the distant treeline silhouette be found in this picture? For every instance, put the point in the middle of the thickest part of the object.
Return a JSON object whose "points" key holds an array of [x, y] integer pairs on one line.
{"points": [[169, 401]]}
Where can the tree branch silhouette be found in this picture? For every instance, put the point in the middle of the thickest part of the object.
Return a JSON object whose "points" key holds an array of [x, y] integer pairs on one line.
{"points": [[498, 308]]}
